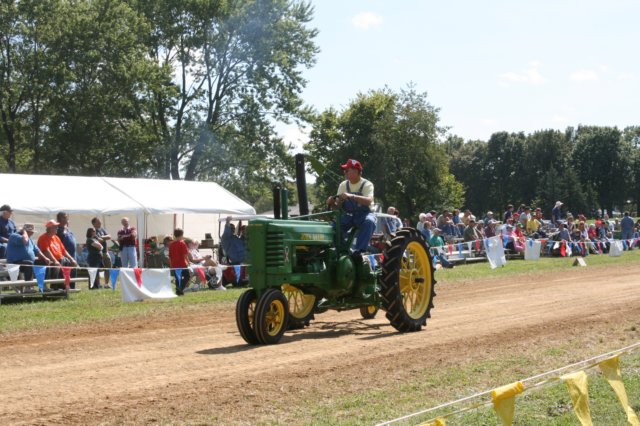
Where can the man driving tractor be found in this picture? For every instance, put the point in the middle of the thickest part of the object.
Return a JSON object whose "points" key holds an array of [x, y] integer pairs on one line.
{"points": [[355, 197]]}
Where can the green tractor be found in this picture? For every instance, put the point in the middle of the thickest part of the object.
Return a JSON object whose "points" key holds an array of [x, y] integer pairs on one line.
{"points": [[303, 266]]}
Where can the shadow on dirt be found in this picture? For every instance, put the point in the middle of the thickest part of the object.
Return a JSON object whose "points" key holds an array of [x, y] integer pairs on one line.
{"points": [[318, 330]]}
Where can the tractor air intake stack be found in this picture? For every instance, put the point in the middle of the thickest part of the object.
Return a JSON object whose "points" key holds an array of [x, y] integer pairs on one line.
{"points": [[275, 189], [301, 183]]}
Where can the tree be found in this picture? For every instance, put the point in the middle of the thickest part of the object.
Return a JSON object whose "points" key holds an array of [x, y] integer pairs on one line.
{"points": [[238, 64], [604, 160], [395, 137], [467, 163]]}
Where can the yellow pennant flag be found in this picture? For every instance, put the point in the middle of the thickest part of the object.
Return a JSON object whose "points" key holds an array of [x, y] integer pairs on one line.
{"points": [[611, 370], [577, 387], [437, 422], [504, 401]]}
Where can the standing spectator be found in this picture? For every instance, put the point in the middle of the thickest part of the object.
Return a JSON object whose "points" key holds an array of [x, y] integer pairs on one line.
{"points": [[389, 224], [21, 250], [7, 227], [232, 245], [67, 238], [103, 238], [626, 226], [94, 259], [556, 213], [127, 242], [508, 214], [179, 258], [51, 246]]}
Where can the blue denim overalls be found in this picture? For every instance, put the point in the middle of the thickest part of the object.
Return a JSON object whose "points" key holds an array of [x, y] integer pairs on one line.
{"points": [[360, 216]]}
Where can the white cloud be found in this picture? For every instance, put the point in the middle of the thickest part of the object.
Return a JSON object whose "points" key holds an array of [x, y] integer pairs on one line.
{"points": [[627, 76], [584, 75], [366, 20], [530, 76]]}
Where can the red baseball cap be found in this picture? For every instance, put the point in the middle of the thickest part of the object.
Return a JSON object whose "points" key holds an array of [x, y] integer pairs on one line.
{"points": [[51, 224], [351, 164]]}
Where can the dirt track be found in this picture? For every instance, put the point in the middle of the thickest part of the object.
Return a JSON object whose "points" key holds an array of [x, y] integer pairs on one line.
{"points": [[198, 367]]}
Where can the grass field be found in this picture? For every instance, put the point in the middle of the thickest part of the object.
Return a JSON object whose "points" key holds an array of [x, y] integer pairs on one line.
{"points": [[411, 391]]}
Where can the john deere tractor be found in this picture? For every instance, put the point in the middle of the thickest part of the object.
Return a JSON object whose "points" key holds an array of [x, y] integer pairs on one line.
{"points": [[304, 266]]}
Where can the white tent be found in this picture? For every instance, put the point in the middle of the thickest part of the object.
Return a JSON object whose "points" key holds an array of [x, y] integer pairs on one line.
{"points": [[154, 203]]}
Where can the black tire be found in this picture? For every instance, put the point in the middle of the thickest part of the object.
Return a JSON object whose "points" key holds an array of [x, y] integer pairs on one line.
{"points": [[245, 315], [272, 317], [369, 311], [408, 300]]}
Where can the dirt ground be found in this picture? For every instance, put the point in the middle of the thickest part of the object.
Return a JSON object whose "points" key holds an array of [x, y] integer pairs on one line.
{"points": [[195, 366]]}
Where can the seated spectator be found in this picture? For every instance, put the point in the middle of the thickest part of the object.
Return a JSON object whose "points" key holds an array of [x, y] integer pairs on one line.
{"points": [[466, 216], [519, 236], [490, 229], [442, 219], [480, 229], [488, 217], [449, 231], [21, 250], [534, 225], [563, 232], [592, 232], [422, 218], [626, 227], [233, 246], [470, 232], [94, 256], [51, 246], [512, 241], [525, 216], [437, 241], [456, 217], [164, 252], [426, 231], [570, 225], [7, 227]]}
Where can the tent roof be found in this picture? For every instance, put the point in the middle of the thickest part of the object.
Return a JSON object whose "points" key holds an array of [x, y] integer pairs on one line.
{"points": [[41, 194]]}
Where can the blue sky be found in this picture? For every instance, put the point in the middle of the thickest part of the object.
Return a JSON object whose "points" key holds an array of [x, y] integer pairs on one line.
{"points": [[489, 66]]}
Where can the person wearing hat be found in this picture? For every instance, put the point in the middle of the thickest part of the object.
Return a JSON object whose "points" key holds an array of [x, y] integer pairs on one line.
{"points": [[470, 232], [355, 197], [556, 213], [7, 227], [21, 250], [50, 245]]}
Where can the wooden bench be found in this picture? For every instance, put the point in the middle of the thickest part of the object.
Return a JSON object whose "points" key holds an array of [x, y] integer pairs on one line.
{"points": [[18, 289]]}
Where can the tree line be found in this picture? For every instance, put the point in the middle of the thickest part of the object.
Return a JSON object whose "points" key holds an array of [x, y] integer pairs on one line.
{"points": [[193, 89]]}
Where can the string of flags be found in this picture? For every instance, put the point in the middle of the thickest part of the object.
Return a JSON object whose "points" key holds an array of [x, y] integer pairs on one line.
{"points": [[39, 272], [576, 382]]}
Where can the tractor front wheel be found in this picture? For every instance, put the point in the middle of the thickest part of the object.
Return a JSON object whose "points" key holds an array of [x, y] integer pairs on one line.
{"points": [[272, 317], [369, 311], [245, 316], [407, 281]]}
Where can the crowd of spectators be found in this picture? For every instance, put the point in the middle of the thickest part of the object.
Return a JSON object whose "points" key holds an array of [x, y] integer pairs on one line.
{"points": [[525, 222], [58, 247]]}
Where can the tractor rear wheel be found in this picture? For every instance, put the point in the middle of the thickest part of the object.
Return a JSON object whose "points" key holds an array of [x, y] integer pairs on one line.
{"points": [[272, 317], [369, 311], [408, 284], [300, 306], [245, 315]]}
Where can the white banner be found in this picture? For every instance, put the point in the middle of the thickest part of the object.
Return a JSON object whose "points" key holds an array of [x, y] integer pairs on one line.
{"points": [[495, 252], [532, 250], [616, 248], [150, 284]]}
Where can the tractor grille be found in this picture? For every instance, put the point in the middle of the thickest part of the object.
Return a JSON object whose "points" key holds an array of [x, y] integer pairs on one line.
{"points": [[275, 249]]}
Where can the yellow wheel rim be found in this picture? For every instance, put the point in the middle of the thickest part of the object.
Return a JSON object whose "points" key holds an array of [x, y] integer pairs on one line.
{"points": [[300, 304], [371, 309], [274, 318], [251, 312], [415, 280]]}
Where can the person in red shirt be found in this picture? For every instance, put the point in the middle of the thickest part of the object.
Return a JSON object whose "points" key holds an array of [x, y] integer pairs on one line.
{"points": [[179, 257], [51, 246]]}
